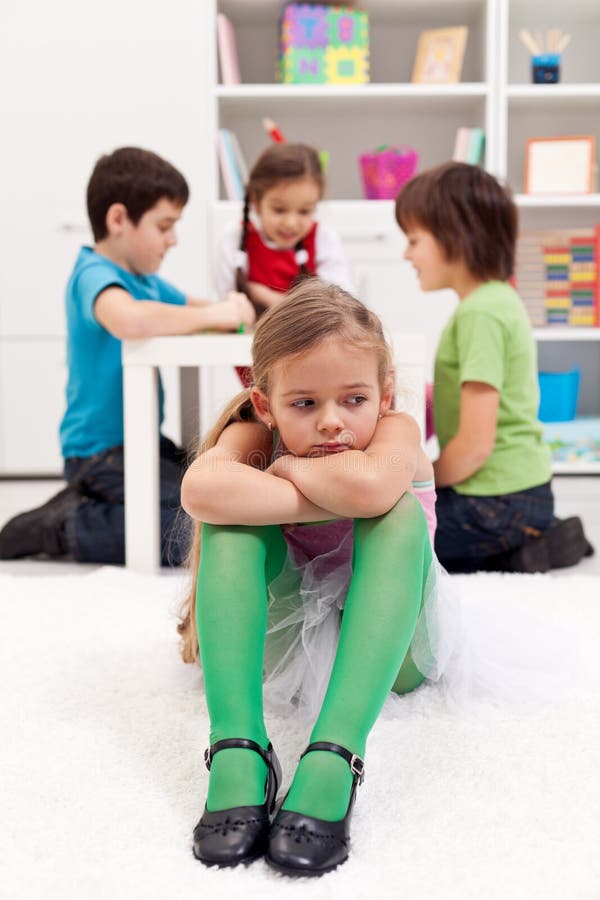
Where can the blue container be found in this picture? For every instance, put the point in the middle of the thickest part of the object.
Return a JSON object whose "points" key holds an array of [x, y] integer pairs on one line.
{"points": [[558, 395], [545, 68]]}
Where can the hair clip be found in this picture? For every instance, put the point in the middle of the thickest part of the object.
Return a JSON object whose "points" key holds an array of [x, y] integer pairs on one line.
{"points": [[301, 256]]}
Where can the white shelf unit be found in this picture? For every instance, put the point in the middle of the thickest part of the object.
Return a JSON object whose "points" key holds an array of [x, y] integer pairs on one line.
{"points": [[583, 468], [495, 93], [545, 110], [571, 201], [562, 334], [526, 110], [562, 348], [349, 119]]}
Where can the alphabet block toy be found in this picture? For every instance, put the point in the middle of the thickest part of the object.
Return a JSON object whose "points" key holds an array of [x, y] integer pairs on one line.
{"points": [[323, 45]]}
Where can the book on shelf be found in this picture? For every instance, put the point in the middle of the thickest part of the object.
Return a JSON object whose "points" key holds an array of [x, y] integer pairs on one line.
{"points": [[469, 145], [233, 165], [227, 49], [239, 157], [557, 274]]}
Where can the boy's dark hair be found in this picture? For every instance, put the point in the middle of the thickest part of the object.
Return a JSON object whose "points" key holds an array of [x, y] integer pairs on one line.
{"points": [[136, 178], [470, 214]]}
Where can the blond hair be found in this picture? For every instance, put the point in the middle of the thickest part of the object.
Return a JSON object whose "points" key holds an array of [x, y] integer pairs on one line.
{"points": [[311, 313]]}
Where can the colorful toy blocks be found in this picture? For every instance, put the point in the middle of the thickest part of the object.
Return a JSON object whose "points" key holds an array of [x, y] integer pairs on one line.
{"points": [[323, 45]]}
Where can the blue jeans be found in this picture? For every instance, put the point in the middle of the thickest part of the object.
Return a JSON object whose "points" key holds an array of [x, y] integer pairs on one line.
{"points": [[474, 533], [95, 527]]}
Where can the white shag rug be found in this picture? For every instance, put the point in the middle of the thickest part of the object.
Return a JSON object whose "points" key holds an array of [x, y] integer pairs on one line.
{"points": [[102, 780]]}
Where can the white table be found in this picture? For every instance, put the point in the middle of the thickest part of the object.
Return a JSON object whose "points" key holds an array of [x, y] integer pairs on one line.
{"points": [[141, 360]]}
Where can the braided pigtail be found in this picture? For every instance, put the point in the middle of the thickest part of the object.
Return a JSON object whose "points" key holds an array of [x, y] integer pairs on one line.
{"points": [[301, 256], [241, 281]]}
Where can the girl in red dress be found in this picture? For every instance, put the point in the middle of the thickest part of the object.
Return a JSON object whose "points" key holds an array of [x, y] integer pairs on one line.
{"points": [[279, 241]]}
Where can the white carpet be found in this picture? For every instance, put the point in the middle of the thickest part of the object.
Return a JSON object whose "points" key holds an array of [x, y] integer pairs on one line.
{"points": [[101, 774]]}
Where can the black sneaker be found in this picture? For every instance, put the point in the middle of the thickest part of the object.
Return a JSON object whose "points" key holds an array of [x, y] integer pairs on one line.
{"points": [[40, 530], [567, 543], [532, 556]]}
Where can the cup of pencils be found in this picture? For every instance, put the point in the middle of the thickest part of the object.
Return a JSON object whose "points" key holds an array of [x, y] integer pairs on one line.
{"points": [[546, 51]]}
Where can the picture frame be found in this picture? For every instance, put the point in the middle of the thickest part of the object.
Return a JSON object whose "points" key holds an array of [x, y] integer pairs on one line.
{"points": [[560, 165], [440, 54]]}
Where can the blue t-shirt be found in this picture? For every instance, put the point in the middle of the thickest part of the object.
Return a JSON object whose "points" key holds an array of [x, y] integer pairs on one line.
{"points": [[93, 420]]}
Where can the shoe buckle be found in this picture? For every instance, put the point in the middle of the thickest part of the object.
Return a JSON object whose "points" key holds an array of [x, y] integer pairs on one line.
{"points": [[357, 767], [207, 758]]}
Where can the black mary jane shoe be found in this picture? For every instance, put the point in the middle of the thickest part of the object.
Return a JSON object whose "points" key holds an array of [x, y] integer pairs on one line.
{"points": [[231, 836], [303, 845]]}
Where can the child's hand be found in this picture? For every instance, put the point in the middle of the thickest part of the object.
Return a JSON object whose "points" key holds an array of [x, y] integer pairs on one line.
{"points": [[285, 465], [263, 295], [275, 468], [236, 310]]}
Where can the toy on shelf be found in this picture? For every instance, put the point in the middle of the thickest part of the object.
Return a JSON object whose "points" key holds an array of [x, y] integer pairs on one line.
{"points": [[559, 392], [545, 54], [557, 276], [386, 169], [323, 45]]}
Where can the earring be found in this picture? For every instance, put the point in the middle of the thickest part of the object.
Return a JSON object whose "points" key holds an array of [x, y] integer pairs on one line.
{"points": [[270, 426], [380, 416]]}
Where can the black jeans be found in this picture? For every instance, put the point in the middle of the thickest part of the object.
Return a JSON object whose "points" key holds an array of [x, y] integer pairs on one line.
{"points": [[95, 527], [473, 532]]}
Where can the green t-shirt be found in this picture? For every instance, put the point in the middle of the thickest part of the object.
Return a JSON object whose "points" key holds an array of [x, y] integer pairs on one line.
{"points": [[489, 339]]}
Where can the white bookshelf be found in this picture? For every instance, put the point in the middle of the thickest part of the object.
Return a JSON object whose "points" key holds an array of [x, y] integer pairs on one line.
{"points": [[323, 92], [529, 110], [571, 201], [566, 334], [347, 120], [577, 468], [495, 93]]}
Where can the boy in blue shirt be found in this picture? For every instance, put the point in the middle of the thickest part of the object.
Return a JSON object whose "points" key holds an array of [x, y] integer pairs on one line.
{"points": [[134, 199]]}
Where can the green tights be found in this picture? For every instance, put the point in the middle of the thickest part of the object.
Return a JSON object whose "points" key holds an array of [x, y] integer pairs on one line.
{"points": [[392, 555]]}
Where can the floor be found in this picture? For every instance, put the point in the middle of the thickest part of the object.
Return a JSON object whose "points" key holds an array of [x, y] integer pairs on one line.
{"points": [[575, 495]]}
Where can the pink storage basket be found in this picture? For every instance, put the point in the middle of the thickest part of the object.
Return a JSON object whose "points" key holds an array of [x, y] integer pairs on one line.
{"points": [[385, 171]]}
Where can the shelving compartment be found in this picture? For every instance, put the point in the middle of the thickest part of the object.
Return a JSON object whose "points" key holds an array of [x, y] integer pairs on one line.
{"points": [[348, 125], [348, 120], [580, 62], [561, 117], [394, 27]]}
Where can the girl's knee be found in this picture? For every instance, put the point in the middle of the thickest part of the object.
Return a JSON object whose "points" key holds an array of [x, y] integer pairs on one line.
{"points": [[235, 534], [408, 678], [237, 545], [404, 522]]}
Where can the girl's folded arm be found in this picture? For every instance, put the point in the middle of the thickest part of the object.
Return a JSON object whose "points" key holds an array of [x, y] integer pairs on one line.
{"points": [[360, 483], [226, 485]]}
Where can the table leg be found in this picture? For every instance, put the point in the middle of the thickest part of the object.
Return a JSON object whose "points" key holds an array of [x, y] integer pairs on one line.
{"points": [[190, 406], [142, 492]]}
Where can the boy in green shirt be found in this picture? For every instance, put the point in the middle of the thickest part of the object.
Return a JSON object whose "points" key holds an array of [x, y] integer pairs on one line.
{"points": [[495, 506]]}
